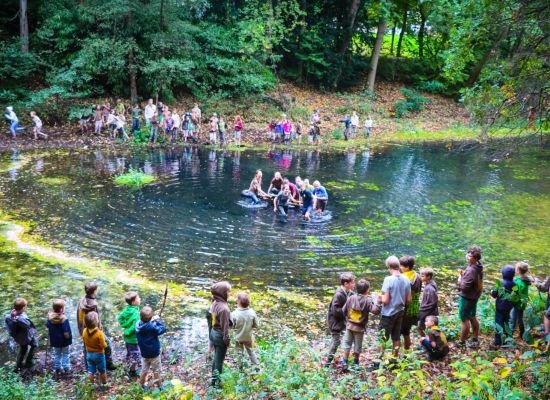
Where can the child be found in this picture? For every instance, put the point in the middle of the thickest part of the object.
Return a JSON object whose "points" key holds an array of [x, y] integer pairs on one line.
{"points": [[544, 286], [154, 128], [22, 330], [428, 305], [347, 122], [168, 123], [299, 132], [238, 130], [136, 112], [213, 129], [244, 321], [98, 120], [59, 330], [120, 123], [37, 129], [354, 119], [95, 345], [368, 126], [522, 281], [336, 319], [13, 121], [185, 125], [86, 305], [177, 124], [504, 303], [128, 319], [435, 343], [410, 319], [357, 309], [148, 330], [221, 321], [470, 286], [221, 128], [112, 124]]}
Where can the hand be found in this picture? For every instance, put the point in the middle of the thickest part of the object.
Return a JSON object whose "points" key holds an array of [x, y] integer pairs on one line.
{"points": [[461, 271], [155, 317]]}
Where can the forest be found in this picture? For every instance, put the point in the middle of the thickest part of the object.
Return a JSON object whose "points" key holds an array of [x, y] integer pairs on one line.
{"points": [[490, 55]]}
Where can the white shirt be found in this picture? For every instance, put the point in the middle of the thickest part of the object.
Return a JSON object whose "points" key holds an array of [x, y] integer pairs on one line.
{"points": [[196, 112], [120, 121], [149, 111], [368, 123], [12, 117], [111, 119], [37, 121], [177, 120], [354, 120]]}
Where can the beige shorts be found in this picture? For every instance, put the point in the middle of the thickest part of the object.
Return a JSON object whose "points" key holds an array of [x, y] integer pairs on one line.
{"points": [[152, 364]]}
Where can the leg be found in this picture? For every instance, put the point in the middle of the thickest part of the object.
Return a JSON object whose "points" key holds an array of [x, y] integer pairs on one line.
{"points": [[464, 330], [109, 355], [334, 344], [251, 354], [56, 355], [475, 328], [21, 355], [348, 342], [220, 349], [499, 328], [66, 358], [29, 362]]}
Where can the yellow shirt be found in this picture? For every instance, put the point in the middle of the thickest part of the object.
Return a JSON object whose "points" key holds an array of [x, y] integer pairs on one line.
{"points": [[94, 340]]}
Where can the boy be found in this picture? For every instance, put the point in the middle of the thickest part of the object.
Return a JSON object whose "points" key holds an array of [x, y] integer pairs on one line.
{"points": [[148, 330], [221, 126], [221, 321], [410, 319], [368, 126], [177, 124], [357, 309], [22, 330], [396, 293], [88, 304], [37, 128], [59, 330], [504, 303], [128, 319], [280, 202], [95, 345], [244, 321], [154, 122], [136, 112], [470, 286], [523, 282], [336, 319], [98, 120], [435, 343], [347, 123], [13, 121], [307, 200], [429, 303]]}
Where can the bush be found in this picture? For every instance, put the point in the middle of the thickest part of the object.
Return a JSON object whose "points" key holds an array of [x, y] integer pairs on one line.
{"points": [[12, 387], [414, 102], [431, 87]]}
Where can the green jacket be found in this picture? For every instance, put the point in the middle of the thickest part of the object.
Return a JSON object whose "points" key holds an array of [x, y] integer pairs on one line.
{"points": [[128, 319], [523, 292]]}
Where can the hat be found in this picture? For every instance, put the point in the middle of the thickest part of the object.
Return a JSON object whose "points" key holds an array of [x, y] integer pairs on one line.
{"points": [[9, 108]]}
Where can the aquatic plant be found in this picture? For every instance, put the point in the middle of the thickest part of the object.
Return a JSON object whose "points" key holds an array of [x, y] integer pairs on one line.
{"points": [[135, 178], [54, 181]]}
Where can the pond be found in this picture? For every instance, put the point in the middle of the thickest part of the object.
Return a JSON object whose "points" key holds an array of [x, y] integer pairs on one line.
{"points": [[188, 226]]}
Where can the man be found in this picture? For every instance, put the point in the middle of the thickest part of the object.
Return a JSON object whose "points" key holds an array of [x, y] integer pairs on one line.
{"points": [[196, 116], [336, 319], [149, 111], [470, 285], [396, 293], [320, 197]]}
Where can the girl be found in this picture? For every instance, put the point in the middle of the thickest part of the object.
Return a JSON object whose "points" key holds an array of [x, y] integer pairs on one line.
{"points": [[238, 129], [37, 129]]}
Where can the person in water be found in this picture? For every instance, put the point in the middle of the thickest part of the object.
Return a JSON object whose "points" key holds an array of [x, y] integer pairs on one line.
{"points": [[276, 184], [280, 203], [294, 192], [307, 200], [320, 197], [255, 191]]}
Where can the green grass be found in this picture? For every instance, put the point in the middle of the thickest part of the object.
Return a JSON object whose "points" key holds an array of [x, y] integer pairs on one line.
{"points": [[134, 178]]}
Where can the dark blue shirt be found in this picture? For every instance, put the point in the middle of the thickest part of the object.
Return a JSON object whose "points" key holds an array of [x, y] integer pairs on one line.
{"points": [[57, 333], [147, 334], [307, 198]]}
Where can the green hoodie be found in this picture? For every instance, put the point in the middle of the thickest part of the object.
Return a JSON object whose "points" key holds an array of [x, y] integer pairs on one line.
{"points": [[128, 319]]}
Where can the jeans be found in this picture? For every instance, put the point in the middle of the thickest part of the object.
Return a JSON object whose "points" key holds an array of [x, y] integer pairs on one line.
{"points": [[23, 349], [61, 358], [501, 326], [108, 352], [220, 350], [14, 126], [175, 134], [97, 127], [283, 210], [432, 353], [154, 133], [95, 362], [517, 319], [135, 125], [346, 133]]}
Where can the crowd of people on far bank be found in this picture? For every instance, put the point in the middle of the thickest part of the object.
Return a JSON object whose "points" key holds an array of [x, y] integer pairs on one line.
{"points": [[180, 126], [407, 299]]}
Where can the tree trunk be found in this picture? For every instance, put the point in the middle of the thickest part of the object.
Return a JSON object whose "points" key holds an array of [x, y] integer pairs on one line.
{"points": [[161, 15], [402, 33], [421, 35], [376, 54], [346, 37], [133, 79], [393, 37], [23, 26], [481, 63]]}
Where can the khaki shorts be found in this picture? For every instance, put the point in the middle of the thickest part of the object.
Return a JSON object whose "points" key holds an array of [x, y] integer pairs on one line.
{"points": [[152, 364]]}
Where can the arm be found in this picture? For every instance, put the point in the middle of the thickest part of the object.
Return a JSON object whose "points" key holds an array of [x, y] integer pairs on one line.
{"points": [[255, 322], [275, 201], [338, 303], [159, 326], [225, 322]]}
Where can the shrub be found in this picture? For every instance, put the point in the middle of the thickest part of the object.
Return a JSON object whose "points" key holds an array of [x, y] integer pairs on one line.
{"points": [[12, 387], [431, 87], [414, 102]]}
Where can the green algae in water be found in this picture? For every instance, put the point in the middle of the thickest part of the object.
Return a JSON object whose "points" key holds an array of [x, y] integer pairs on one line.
{"points": [[58, 181], [134, 178]]}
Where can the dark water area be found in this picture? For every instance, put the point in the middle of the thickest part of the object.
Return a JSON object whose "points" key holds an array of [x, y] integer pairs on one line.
{"points": [[188, 226]]}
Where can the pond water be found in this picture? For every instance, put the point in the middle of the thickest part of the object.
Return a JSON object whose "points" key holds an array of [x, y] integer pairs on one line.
{"points": [[188, 226]]}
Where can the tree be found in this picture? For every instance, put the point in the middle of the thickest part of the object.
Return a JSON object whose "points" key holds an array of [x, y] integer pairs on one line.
{"points": [[23, 26], [376, 54]]}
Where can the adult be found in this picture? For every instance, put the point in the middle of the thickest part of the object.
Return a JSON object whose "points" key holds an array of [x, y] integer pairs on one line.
{"points": [[336, 319], [13, 120], [354, 119], [276, 184], [320, 197], [396, 293], [150, 110], [470, 285], [196, 116]]}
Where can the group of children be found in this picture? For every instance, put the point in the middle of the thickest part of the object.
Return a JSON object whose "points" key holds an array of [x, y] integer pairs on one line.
{"points": [[351, 124], [13, 121], [284, 130], [283, 193], [407, 299]]}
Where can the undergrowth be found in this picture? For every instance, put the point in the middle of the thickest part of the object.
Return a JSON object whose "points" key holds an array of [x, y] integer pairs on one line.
{"points": [[135, 178]]}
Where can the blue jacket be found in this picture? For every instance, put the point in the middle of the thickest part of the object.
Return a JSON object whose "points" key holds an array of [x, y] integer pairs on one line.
{"points": [[504, 303], [148, 337], [347, 121], [59, 330], [20, 327]]}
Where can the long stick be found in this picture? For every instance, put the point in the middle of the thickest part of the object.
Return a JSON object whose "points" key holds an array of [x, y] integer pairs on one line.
{"points": [[164, 300]]}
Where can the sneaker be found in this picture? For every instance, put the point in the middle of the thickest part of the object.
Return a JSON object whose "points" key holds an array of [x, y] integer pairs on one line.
{"points": [[474, 342], [103, 387], [461, 344]]}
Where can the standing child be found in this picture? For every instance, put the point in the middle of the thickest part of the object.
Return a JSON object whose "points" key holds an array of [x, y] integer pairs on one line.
{"points": [[523, 282], [430, 300], [136, 112], [37, 128], [368, 126], [336, 319], [177, 124], [221, 128], [221, 321], [435, 343], [168, 124], [128, 319], [86, 305], [354, 119], [154, 128], [59, 330], [22, 330], [357, 310], [213, 129], [299, 128], [13, 121], [120, 126], [347, 123], [244, 321], [98, 120], [470, 286], [148, 330], [504, 303], [238, 130], [112, 124], [410, 319], [95, 345]]}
